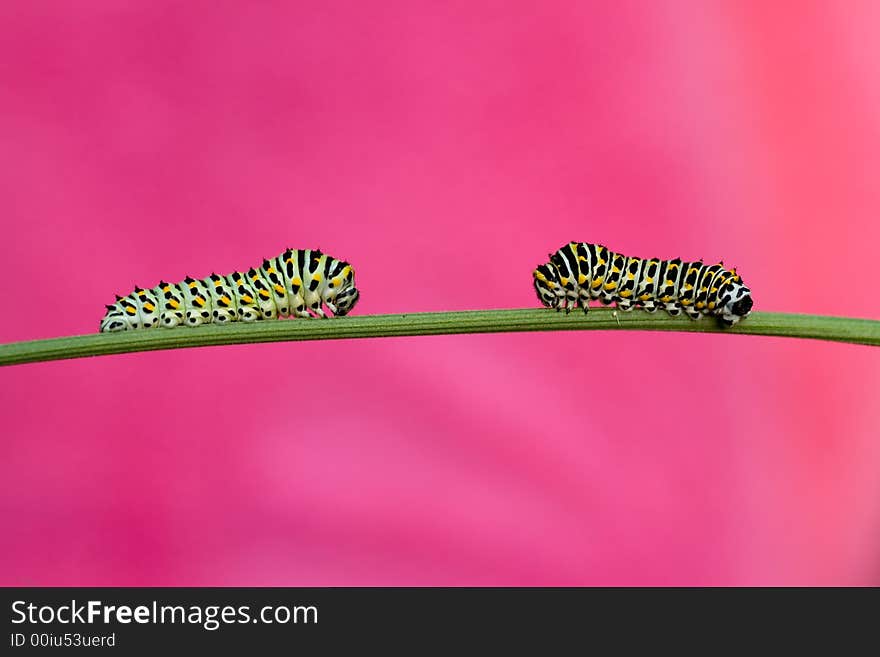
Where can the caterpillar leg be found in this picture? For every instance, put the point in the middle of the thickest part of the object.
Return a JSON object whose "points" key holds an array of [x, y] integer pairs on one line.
{"points": [[113, 323], [584, 299], [249, 314], [693, 313], [197, 317], [172, 318], [300, 311], [221, 317]]}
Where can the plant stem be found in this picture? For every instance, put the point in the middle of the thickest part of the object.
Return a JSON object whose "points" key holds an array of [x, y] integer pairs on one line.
{"points": [[840, 329]]}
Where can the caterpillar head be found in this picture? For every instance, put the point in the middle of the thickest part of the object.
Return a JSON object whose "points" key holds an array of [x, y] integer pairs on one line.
{"points": [[341, 294], [346, 300], [547, 286], [738, 302]]}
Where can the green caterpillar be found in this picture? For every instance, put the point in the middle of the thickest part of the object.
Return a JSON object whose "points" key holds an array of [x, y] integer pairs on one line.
{"points": [[297, 282]]}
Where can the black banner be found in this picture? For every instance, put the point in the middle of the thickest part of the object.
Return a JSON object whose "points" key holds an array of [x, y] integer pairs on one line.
{"points": [[122, 619], [245, 619]]}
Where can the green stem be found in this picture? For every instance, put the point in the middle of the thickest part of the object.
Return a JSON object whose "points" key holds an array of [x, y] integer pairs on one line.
{"points": [[840, 329]]}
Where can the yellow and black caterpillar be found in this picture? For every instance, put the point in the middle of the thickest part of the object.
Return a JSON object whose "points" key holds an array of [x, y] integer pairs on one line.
{"points": [[297, 282], [580, 272]]}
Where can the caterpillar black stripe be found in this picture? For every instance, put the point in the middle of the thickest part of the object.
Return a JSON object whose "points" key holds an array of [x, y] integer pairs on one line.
{"points": [[580, 272], [297, 282]]}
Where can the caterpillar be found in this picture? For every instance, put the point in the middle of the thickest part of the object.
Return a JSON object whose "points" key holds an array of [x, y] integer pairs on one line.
{"points": [[580, 272], [297, 282]]}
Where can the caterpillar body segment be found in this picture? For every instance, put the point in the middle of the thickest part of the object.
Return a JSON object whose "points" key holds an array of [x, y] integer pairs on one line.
{"points": [[299, 282], [581, 272]]}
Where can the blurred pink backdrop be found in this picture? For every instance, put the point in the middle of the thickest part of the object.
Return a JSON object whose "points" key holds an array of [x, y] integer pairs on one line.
{"points": [[444, 148]]}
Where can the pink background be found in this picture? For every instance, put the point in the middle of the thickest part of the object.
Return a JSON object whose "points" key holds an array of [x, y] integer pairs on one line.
{"points": [[444, 148]]}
